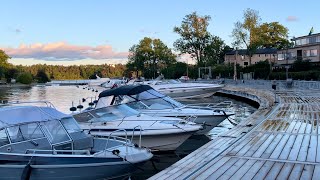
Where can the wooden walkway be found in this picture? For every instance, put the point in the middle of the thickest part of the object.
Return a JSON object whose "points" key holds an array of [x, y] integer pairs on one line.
{"points": [[278, 143]]}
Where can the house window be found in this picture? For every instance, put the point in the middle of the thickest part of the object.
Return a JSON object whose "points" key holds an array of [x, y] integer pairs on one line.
{"points": [[313, 52], [303, 41], [318, 39], [298, 42], [312, 40], [245, 63], [280, 57], [259, 55], [265, 55]]}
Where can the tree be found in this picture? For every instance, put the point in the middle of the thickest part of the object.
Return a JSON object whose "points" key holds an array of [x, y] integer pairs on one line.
{"points": [[244, 33], [148, 56], [25, 78], [4, 59], [214, 51], [194, 36], [42, 76], [273, 35]]}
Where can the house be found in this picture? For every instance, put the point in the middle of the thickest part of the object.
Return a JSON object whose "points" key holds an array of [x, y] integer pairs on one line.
{"points": [[305, 48], [242, 59]]}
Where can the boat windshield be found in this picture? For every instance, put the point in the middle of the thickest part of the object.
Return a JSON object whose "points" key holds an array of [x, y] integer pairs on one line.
{"points": [[71, 125], [150, 99], [110, 113]]}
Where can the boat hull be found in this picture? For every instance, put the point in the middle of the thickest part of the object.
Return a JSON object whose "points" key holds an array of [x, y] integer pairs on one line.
{"points": [[156, 141], [165, 142]]}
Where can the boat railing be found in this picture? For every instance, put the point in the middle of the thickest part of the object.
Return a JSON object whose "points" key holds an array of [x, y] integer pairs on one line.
{"points": [[55, 151], [191, 118], [125, 139], [221, 105], [133, 131]]}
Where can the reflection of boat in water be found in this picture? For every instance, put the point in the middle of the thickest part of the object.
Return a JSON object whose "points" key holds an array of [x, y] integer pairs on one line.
{"points": [[178, 90], [43, 143], [156, 133], [149, 101]]}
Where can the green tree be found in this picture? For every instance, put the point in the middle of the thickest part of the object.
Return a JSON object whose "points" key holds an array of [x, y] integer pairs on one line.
{"points": [[194, 36], [214, 51], [4, 59], [25, 78], [273, 35], [42, 76], [148, 56], [245, 33]]}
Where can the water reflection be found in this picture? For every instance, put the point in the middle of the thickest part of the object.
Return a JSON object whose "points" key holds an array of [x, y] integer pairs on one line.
{"points": [[60, 96]]}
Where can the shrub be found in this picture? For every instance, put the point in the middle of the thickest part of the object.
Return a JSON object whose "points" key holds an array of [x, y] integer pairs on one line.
{"points": [[25, 78]]}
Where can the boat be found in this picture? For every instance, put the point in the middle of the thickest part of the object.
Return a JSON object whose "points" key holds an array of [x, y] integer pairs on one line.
{"points": [[147, 100], [113, 83], [155, 133], [43, 143], [181, 90]]}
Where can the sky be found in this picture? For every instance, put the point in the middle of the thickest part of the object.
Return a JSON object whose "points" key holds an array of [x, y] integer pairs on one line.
{"points": [[71, 32]]}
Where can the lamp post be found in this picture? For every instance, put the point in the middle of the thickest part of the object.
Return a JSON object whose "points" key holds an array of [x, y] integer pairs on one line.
{"points": [[235, 66]]}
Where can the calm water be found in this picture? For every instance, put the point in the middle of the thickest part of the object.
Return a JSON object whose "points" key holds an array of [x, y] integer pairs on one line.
{"points": [[63, 96]]}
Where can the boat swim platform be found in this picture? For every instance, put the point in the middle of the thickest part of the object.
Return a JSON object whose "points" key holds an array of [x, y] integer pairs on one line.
{"points": [[278, 141]]}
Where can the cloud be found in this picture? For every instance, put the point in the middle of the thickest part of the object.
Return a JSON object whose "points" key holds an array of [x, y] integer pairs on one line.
{"points": [[17, 31], [291, 18], [31, 61], [62, 51]]}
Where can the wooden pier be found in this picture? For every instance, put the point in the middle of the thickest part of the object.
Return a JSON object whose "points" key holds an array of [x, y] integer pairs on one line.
{"points": [[277, 142]]}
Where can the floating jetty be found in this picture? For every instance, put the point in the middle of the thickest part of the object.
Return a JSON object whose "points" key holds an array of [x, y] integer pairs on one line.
{"points": [[279, 141]]}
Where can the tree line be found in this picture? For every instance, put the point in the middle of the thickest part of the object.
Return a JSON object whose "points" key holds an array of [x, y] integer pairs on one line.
{"points": [[44, 73]]}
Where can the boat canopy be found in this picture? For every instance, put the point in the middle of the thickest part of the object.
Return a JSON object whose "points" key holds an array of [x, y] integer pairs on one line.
{"points": [[14, 115], [125, 90]]}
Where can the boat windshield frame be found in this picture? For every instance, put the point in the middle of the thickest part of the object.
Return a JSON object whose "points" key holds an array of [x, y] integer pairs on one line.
{"points": [[106, 114], [14, 134], [160, 101]]}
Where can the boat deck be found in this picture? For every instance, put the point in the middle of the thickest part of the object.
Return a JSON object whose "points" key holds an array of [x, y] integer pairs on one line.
{"points": [[278, 143]]}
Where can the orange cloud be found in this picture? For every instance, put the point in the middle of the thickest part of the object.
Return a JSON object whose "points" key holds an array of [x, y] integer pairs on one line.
{"points": [[64, 51]]}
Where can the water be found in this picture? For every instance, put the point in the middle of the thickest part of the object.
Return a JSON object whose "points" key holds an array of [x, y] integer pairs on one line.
{"points": [[60, 96], [63, 96]]}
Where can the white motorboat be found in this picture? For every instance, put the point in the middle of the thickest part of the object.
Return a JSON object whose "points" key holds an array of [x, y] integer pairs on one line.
{"points": [[43, 143], [156, 133], [179, 90], [111, 83], [147, 100]]}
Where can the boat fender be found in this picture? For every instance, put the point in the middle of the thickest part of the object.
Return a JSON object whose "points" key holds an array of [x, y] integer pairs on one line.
{"points": [[116, 152], [26, 173], [73, 109]]}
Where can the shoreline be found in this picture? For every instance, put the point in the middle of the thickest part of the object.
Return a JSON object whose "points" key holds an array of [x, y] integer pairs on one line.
{"points": [[17, 85]]}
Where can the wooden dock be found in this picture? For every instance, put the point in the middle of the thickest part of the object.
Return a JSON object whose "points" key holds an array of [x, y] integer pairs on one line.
{"points": [[276, 142]]}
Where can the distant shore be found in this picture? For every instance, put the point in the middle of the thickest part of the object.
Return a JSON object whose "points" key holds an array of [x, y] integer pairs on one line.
{"points": [[16, 85]]}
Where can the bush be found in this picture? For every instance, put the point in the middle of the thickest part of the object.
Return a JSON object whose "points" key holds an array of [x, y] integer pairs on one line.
{"points": [[25, 78], [303, 75]]}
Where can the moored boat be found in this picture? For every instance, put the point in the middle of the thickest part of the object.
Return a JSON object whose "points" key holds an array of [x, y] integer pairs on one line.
{"points": [[43, 143], [148, 101]]}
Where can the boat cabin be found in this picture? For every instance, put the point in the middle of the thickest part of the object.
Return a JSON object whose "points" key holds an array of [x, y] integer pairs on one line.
{"points": [[26, 129], [137, 97]]}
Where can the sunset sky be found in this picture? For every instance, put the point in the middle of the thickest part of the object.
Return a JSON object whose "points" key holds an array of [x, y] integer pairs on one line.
{"points": [[96, 31]]}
